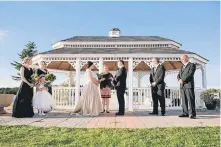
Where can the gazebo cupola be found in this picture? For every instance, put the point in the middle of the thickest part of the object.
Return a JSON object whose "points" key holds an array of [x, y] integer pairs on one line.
{"points": [[115, 32]]}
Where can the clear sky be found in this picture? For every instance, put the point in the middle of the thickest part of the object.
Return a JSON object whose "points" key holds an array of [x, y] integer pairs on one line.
{"points": [[194, 24]]}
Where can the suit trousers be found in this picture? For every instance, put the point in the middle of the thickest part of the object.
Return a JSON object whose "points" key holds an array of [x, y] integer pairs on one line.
{"points": [[188, 96], [121, 101], [158, 95]]}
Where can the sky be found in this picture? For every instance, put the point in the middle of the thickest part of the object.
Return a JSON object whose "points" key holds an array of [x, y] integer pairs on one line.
{"points": [[196, 25]]}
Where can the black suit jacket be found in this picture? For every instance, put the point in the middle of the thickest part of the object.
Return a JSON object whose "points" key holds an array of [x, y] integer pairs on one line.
{"points": [[158, 77], [187, 75], [120, 79]]}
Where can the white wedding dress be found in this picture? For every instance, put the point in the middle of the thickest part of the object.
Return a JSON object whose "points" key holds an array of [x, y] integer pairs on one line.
{"points": [[90, 102], [43, 100]]}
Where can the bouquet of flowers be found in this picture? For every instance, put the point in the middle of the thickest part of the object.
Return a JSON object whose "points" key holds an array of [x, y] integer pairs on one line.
{"points": [[49, 79], [34, 79], [99, 76]]}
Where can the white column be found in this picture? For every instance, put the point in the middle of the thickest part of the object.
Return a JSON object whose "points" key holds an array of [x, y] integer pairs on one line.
{"points": [[204, 81], [130, 88], [71, 79], [77, 84], [101, 64]]}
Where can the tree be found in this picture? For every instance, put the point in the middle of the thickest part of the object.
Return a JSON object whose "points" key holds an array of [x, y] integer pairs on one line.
{"points": [[28, 51]]}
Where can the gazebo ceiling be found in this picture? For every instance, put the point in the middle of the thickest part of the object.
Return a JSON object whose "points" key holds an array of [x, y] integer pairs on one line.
{"points": [[112, 65]]}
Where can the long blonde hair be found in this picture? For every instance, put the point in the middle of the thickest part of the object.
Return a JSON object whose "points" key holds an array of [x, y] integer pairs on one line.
{"points": [[26, 59]]}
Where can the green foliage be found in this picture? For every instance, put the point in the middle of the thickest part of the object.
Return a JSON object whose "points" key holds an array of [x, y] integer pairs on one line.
{"points": [[28, 51], [9, 90], [50, 77], [64, 84], [208, 97], [21, 136]]}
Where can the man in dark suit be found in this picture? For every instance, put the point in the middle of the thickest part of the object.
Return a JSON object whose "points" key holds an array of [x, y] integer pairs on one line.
{"points": [[120, 86], [186, 80], [157, 86]]}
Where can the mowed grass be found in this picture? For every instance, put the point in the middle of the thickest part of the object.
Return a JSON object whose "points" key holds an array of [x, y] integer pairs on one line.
{"points": [[28, 136]]}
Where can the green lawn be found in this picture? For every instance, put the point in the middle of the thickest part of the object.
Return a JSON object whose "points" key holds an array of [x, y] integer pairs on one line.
{"points": [[27, 136]]}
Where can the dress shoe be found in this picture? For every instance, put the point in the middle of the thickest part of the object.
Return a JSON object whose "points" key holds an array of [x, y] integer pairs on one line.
{"points": [[192, 117], [103, 111], [153, 113], [163, 113], [107, 111], [183, 115], [119, 113]]}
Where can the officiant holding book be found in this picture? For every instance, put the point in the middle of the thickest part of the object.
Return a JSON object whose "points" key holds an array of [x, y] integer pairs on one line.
{"points": [[105, 87]]}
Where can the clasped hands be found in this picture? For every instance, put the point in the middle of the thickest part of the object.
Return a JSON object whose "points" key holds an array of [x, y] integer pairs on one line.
{"points": [[181, 82], [153, 84]]}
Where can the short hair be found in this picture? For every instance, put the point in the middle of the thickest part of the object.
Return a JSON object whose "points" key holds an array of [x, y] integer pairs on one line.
{"points": [[185, 55], [157, 59], [26, 59], [121, 61], [89, 63]]}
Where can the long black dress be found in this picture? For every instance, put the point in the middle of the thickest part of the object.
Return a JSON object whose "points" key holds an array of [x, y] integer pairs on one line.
{"points": [[23, 103], [40, 72]]}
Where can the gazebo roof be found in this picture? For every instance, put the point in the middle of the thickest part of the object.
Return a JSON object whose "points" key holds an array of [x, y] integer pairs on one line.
{"points": [[116, 39], [117, 51]]}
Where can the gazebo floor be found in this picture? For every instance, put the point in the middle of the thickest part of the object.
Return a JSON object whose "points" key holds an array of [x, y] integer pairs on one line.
{"points": [[139, 119]]}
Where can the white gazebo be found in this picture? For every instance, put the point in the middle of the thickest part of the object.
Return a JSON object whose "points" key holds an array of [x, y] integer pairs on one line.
{"points": [[71, 55]]}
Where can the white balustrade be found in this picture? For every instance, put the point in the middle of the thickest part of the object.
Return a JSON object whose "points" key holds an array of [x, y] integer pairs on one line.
{"points": [[64, 97], [142, 99]]}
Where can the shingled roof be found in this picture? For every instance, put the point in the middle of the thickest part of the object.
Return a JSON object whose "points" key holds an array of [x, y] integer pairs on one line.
{"points": [[117, 39], [116, 51]]}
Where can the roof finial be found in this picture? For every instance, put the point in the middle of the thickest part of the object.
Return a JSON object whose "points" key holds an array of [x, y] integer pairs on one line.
{"points": [[115, 32]]}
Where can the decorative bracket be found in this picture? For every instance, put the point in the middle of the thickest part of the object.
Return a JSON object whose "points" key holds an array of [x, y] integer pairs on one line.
{"points": [[148, 63], [82, 63], [135, 63], [47, 63], [96, 64], [73, 63]]}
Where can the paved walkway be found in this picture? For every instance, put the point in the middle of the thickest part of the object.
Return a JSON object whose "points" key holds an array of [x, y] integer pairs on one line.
{"points": [[130, 120]]}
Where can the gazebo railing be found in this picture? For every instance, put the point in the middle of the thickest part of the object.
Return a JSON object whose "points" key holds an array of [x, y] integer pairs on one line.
{"points": [[142, 99]]}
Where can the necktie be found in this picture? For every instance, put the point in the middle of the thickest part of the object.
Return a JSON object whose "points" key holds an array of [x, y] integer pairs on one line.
{"points": [[184, 67], [154, 70]]}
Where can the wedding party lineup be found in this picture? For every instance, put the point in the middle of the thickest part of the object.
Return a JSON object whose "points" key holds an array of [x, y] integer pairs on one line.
{"points": [[110, 74]]}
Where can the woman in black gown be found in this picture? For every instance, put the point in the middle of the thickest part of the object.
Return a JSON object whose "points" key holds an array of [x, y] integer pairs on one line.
{"points": [[43, 71], [23, 102]]}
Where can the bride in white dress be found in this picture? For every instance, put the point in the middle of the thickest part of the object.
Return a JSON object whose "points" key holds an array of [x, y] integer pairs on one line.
{"points": [[90, 102]]}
